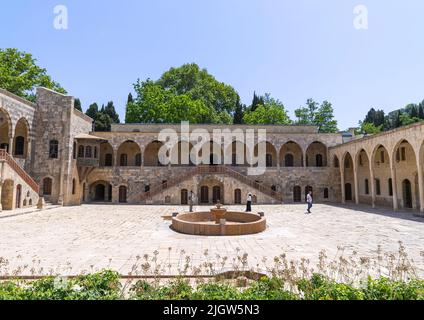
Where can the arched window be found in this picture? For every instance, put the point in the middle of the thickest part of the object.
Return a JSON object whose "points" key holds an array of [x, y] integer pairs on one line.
{"points": [[4, 146], [318, 159], [336, 162], [138, 160], [81, 152], [73, 186], [95, 152], [47, 186], [88, 151], [367, 187], [74, 150], [289, 160], [268, 160], [123, 162], [19, 146], [122, 194], [54, 149], [326, 193], [390, 187], [108, 160], [377, 187]]}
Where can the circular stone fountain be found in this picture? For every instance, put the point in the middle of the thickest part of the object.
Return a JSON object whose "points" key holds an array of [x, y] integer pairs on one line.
{"points": [[219, 222]]}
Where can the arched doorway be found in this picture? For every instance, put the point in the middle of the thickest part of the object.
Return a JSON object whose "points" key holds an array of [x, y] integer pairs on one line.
{"points": [[7, 195], [216, 194], [47, 186], [184, 196], [18, 196], [407, 194], [204, 194], [348, 192], [99, 193], [122, 194], [297, 194], [237, 196]]}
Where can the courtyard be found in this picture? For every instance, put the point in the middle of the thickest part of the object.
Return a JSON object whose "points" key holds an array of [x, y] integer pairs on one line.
{"points": [[87, 238]]}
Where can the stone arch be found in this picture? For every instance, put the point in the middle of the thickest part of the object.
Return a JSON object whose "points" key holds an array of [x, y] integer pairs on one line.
{"points": [[238, 152], [177, 156], [129, 154], [271, 158], [404, 161], [291, 150], [382, 172], [5, 130], [364, 176], [101, 191], [348, 163], [106, 155], [336, 162], [316, 155], [21, 138], [151, 154]]}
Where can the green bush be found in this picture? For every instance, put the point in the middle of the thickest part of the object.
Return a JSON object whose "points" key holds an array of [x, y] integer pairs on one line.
{"points": [[106, 285], [386, 289], [320, 288], [268, 289]]}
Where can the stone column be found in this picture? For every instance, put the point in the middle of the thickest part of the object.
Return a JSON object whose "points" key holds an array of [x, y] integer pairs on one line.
{"points": [[11, 146], [394, 184], [420, 183], [304, 159], [1, 186], [372, 185], [355, 181], [342, 181]]}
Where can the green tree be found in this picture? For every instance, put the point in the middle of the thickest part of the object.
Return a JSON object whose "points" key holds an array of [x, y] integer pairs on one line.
{"points": [[77, 104], [92, 111], [111, 112], [369, 128], [239, 112], [271, 112], [318, 115], [184, 93], [256, 101], [20, 74]]}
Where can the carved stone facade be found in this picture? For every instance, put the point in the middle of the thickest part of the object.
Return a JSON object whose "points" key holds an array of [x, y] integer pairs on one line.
{"points": [[55, 144]]}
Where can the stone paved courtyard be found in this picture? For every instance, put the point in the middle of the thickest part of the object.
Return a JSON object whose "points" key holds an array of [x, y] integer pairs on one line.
{"points": [[70, 240]]}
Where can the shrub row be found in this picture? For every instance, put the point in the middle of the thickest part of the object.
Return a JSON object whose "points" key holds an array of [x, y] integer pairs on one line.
{"points": [[106, 285]]}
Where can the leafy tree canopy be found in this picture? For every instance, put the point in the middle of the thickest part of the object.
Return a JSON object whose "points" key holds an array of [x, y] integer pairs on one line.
{"points": [[104, 117], [185, 93], [318, 115], [272, 111], [20, 74]]}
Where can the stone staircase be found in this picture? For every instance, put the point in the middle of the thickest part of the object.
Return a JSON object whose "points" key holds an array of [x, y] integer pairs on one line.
{"points": [[206, 169], [18, 169]]}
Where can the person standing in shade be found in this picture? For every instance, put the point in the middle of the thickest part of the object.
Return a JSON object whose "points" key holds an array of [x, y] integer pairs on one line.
{"points": [[309, 200], [249, 203], [191, 200]]}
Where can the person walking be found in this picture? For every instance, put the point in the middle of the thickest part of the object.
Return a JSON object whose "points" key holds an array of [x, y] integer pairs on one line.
{"points": [[191, 200], [249, 203], [310, 201]]}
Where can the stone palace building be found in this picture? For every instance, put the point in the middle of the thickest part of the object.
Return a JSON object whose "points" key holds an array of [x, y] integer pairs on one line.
{"points": [[48, 149]]}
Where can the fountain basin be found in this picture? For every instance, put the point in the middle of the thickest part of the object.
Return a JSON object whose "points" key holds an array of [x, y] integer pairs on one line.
{"points": [[205, 223]]}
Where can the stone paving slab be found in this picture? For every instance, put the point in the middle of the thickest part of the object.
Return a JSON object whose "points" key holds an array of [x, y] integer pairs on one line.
{"points": [[70, 240]]}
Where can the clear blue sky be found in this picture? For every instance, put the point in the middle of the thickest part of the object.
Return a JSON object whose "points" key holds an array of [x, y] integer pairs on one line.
{"points": [[293, 49]]}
